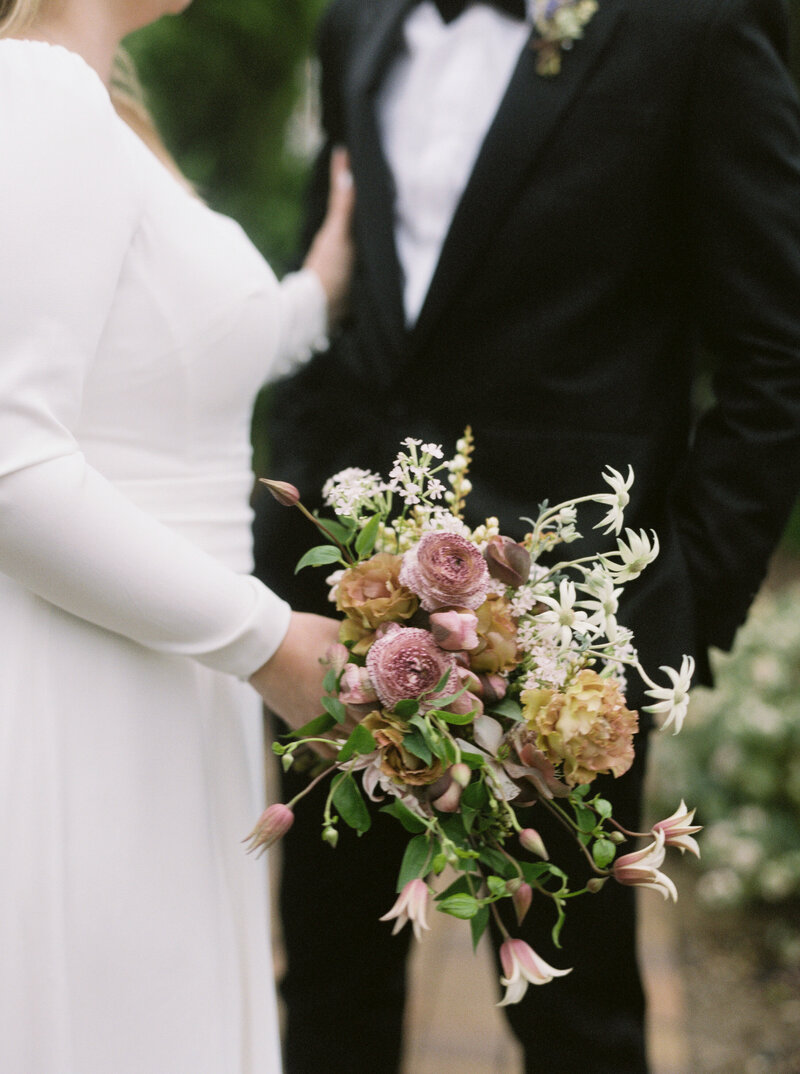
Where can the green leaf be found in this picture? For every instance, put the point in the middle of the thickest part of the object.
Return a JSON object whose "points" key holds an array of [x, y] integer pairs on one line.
{"points": [[478, 925], [587, 821], [455, 717], [319, 556], [406, 708], [409, 820], [416, 744], [330, 680], [415, 859], [473, 760], [507, 707], [366, 539], [496, 885], [340, 531], [314, 728], [603, 807], [334, 707], [475, 795], [603, 852], [461, 906], [496, 861], [360, 741], [534, 870], [349, 803]]}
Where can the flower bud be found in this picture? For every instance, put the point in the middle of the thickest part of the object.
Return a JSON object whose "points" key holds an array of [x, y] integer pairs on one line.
{"points": [[336, 656], [286, 495], [521, 899], [508, 562], [274, 822], [461, 774], [493, 688], [617, 837], [454, 629], [330, 836], [356, 688], [533, 843], [450, 800], [595, 884]]}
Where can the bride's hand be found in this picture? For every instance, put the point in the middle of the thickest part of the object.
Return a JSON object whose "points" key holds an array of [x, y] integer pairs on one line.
{"points": [[291, 680], [332, 252]]}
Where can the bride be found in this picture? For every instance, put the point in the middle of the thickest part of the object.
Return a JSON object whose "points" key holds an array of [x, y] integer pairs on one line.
{"points": [[137, 326]]}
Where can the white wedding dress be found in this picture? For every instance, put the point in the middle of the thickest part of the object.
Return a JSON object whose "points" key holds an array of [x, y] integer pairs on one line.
{"points": [[135, 328]]}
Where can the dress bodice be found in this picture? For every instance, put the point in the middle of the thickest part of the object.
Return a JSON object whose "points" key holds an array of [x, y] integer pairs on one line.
{"points": [[138, 327]]}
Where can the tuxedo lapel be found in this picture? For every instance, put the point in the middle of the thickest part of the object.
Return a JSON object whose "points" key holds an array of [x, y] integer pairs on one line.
{"points": [[529, 112], [374, 220]]}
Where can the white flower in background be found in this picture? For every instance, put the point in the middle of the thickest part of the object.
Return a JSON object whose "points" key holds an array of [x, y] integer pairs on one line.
{"points": [[634, 556], [603, 604], [564, 613], [616, 500], [673, 701], [352, 490]]}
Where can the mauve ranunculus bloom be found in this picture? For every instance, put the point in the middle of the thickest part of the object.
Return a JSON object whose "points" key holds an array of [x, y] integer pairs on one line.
{"points": [[445, 570], [406, 663]]}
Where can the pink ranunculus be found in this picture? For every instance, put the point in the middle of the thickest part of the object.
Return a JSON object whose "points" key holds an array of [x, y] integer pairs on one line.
{"points": [[406, 663], [445, 570], [454, 629]]}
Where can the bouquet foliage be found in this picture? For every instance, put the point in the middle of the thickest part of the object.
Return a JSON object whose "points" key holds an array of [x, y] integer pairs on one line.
{"points": [[472, 680]]}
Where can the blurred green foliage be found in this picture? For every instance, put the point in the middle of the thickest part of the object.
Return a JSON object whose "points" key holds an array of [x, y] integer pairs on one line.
{"points": [[222, 81]]}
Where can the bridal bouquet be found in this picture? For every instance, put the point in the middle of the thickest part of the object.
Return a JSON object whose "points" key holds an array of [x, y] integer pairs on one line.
{"points": [[473, 680]]}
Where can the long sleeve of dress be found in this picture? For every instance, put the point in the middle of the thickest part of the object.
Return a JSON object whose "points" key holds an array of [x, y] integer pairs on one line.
{"points": [[69, 208]]}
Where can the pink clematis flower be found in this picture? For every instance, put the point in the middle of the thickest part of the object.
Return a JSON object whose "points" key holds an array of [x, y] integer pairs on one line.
{"points": [[272, 825], [411, 905], [678, 830], [523, 967], [641, 868]]}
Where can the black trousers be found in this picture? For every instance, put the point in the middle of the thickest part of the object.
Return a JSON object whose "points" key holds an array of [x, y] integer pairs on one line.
{"points": [[346, 978]]}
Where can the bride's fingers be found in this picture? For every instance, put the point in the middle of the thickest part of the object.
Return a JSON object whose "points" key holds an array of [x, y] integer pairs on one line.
{"points": [[341, 198]]}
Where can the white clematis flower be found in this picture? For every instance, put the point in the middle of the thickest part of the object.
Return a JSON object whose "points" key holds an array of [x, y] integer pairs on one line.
{"points": [[673, 700], [616, 500]]}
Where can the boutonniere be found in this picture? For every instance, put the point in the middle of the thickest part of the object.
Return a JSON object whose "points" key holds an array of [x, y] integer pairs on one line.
{"points": [[558, 25]]}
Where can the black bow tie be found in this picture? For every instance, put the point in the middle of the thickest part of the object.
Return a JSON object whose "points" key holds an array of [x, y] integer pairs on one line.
{"points": [[451, 9]]}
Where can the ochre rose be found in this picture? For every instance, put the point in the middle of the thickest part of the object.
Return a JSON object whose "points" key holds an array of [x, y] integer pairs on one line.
{"points": [[497, 638], [586, 728], [370, 594], [396, 761]]}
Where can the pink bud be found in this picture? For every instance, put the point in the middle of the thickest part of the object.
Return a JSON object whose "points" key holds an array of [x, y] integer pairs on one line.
{"points": [[493, 688], [336, 656], [286, 495], [450, 800], [356, 688], [508, 562], [455, 629], [274, 822], [521, 899], [533, 843]]}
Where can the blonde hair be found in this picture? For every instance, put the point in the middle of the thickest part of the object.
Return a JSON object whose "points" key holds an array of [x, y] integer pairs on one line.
{"points": [[16, 15], [126, 92]]}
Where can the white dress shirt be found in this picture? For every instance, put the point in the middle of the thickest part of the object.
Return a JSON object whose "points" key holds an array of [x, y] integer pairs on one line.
{"points": [[435, 108]]}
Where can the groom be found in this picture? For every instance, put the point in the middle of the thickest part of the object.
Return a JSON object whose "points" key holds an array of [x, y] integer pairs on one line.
{"points": [[549, 231]]}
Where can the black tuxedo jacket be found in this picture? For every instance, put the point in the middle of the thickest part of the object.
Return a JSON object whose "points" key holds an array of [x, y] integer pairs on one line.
{"points": [[638, 207]]}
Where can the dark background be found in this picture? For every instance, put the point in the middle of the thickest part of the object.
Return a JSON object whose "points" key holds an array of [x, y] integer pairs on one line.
{"points": [[232, 88]]}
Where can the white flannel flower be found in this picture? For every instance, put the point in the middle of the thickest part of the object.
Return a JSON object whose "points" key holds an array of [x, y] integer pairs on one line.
{"points": [[673, 700], [616, 500], [634, 556], [603, 604], [564, 613]]}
